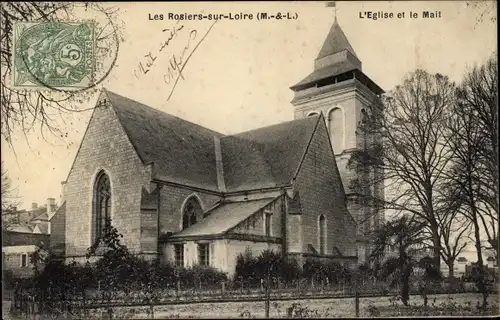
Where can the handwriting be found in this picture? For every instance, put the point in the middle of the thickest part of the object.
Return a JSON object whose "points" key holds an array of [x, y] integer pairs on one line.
{"points": [[172, 33], [149, 63], [178, 64], [144, 67]]}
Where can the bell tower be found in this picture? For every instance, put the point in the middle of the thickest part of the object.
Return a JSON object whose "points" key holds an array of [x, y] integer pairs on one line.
{"points": [[339, 89]]}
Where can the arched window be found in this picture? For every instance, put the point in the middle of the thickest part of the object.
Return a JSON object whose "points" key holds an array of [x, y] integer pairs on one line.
{"points": [[312, 114], [191, 212], [336, 127], [102, 203], [322, 234]]}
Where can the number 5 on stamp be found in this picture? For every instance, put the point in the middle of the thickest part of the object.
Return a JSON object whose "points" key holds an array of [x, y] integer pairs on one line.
{"points": [[53, 55]]}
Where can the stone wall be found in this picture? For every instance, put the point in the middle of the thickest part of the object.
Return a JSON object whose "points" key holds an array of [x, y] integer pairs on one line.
{"points": [[105, 146], [318, 183]]}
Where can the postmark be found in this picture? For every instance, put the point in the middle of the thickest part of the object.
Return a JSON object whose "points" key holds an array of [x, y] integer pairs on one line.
{"points": [[54, 54], [71, 55]]}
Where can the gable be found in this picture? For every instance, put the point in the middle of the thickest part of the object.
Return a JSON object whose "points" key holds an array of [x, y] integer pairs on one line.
{"points": [[104, 137], [319, 168], [320, 153]]}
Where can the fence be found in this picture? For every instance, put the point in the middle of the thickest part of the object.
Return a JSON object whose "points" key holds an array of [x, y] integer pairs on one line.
{"points": [[28, 304]]}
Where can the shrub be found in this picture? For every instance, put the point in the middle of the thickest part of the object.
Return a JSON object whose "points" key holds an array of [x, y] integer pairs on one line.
{"points": [[330, 271], [9, 279], [201, 276]]}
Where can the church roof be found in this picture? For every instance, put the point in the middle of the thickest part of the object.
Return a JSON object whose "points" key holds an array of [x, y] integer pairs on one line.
{"points": [[184, 152], [224, 217], [44, 217], [265, 157], [23, 228], [180, 150], [335, 41]]}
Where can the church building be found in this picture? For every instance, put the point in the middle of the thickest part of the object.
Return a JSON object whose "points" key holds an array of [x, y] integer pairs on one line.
{"points": [[194, 196]]}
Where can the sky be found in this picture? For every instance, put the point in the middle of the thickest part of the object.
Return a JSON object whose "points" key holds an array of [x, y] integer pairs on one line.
{"points": [[238, 78]]}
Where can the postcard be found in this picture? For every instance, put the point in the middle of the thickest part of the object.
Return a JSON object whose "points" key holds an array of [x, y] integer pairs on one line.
{"points": [[249, 159]]}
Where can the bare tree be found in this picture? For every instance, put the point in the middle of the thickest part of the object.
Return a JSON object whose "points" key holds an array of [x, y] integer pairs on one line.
{"points": [[455, 229], [474, 138], [411, 149], [485, 10], [473, 181], [9, 200]]}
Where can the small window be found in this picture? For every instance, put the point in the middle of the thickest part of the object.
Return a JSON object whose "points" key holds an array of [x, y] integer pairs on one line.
{"points": [[203, 254], [179, 255], [267, 223], [322, 234], [24, 260]]}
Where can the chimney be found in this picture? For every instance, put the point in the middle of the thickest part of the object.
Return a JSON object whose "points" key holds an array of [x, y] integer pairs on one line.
{"points": [[51, 205], [34, 205]]}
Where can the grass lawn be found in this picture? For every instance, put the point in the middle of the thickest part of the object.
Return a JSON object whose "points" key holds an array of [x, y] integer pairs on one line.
{"points": [[446, 304]]}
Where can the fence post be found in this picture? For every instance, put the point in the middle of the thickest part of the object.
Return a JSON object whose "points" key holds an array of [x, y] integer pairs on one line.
{"points": [[356, 302], [268, 295]]}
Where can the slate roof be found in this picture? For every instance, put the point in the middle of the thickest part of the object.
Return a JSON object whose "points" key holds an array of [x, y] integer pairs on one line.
{"points": [[180, 150], [265, 157], [43, 217], [184, 152], [12, 238], [224, 217], [23, 228], [335, 41]]}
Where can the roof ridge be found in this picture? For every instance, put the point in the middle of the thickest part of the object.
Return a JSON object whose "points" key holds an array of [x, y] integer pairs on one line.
{"points": [[270, 126], [306, 149], [159, 111]]}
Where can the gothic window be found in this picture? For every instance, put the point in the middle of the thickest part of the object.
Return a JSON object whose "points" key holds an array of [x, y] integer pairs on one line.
{"points": [[336, 127], [102, 203], [191, 211], [322, 234]]}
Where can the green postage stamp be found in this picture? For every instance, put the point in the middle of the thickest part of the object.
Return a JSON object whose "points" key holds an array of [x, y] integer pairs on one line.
{"points": [[53, 55]]}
